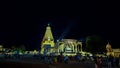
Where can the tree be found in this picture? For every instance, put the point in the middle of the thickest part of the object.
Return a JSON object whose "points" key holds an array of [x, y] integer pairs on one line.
{"points": [[94, 44], [22, 48]]}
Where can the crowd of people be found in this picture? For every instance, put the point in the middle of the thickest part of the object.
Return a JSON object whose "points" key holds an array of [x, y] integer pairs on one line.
{"points": [[99, 61], [108, 61]]}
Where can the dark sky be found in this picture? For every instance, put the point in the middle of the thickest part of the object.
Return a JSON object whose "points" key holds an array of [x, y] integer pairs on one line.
{"points": [[25, 22]]}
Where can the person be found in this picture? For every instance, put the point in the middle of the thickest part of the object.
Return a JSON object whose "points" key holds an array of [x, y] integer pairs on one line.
{"points": [[95, 61], [78, 58], [46, 59], [50, 59], [117, 61], [109, 59], [66, 59], [99, 62], [55, 59]]}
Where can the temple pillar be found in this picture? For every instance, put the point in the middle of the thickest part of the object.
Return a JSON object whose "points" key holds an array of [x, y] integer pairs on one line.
{"points": [[72, 47]]}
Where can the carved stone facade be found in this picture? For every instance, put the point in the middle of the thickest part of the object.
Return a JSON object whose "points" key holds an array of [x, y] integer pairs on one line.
{"points": [[68, 46]]}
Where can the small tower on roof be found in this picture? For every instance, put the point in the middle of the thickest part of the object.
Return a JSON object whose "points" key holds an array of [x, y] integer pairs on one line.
{"points": [[108, 46], [47, 44], [109, 49]]}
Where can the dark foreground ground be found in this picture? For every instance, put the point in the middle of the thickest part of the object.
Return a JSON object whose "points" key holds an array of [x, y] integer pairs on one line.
{"points": [[33, 64], [30, 65]]}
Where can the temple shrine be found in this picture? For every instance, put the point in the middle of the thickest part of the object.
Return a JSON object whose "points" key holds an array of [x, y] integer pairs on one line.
{"points": [[47, 44]]}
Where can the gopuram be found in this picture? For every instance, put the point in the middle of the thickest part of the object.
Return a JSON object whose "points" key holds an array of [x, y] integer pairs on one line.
{"points": [[47, 44]]}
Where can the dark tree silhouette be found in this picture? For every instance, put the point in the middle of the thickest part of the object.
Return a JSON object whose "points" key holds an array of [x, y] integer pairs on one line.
{"points": [[95, 44]]}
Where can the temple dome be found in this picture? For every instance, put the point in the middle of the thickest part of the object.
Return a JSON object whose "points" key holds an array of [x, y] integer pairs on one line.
{"points": [[108, 45]]}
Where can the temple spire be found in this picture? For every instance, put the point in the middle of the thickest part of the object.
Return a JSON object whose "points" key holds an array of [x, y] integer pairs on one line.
{"points": [[48, 24], [48, 33], [48, 40]]}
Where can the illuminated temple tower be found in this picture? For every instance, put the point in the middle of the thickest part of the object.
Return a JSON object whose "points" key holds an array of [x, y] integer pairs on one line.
{"points": [[47, 44]]}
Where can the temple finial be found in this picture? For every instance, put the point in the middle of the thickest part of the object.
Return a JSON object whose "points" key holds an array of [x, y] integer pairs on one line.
{"points": [[48, 24]]}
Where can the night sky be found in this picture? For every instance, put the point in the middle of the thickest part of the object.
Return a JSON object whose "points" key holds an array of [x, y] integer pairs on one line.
{"points": [[24, 23]]}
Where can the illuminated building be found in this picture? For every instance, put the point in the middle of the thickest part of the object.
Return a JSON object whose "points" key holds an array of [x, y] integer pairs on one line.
{"points": [[47, 44], [68, 46], [109, 50], [116, 52]]}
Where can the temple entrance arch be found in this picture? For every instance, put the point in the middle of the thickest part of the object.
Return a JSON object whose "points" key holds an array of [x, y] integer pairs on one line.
{"points": [[47, 49]]}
